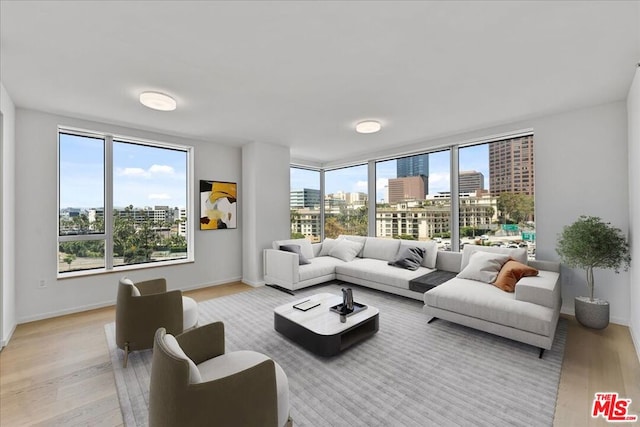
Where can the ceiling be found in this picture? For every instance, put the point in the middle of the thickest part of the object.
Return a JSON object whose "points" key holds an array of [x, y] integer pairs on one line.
{"points": [[302, 74]]}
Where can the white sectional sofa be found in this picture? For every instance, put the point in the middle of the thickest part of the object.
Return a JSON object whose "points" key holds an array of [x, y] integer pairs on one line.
{"points": [[529, 314]]}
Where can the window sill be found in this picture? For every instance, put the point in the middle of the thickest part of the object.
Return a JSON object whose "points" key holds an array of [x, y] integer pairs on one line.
{"points": [[121, 268]]}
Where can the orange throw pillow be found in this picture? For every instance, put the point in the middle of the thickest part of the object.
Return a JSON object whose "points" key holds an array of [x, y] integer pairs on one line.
{"points": [[511, 272]]}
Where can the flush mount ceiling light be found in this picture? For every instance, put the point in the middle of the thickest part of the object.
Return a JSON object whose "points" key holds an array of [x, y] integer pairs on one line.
{"points": [[368, 126], [158, 101]]}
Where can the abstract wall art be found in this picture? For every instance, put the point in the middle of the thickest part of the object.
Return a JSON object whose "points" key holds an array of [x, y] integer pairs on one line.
{"points": [[218, 205]]}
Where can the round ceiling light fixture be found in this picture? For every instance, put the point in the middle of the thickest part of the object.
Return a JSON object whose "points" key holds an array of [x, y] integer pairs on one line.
{"points": [[158, 101], [368, 126]]}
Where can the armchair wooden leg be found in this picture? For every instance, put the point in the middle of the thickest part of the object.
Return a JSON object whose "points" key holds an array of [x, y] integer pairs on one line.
{"points": [[126, 354]]}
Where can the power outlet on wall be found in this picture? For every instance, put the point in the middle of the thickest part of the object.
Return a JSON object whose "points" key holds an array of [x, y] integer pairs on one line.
{"points": [[42, 284]]}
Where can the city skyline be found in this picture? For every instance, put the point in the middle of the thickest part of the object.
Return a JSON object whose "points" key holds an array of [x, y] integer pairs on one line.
{"points": [[354, 179]]}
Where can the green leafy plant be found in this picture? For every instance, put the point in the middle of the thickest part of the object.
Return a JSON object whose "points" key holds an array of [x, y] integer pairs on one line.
{"points": [[592, 243]]}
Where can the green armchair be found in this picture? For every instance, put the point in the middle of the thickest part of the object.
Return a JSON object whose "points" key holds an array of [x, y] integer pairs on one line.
{"points": [[195, 383], [143, 307]]}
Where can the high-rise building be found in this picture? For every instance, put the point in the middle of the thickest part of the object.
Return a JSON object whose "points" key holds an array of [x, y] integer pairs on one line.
{"points": [[305, 198], [511, 166], [414, 166], [470, 181], [406, 188]]}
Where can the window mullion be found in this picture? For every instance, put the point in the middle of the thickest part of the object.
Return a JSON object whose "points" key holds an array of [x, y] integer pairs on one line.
{"points": [[108, 202]]}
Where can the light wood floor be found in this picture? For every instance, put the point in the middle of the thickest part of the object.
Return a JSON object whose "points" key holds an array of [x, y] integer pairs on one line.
{"points": [[58, 371]]}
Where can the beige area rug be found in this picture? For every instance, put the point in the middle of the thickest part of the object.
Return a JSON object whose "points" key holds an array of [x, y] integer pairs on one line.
{"points": [[408, 374]]}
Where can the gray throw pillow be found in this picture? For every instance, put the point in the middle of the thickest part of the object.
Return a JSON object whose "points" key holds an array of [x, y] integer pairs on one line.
{"points": [[409, 257], [302, 260]]}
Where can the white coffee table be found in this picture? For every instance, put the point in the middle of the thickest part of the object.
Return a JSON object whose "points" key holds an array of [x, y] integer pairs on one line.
{"points": [[320, 330]]}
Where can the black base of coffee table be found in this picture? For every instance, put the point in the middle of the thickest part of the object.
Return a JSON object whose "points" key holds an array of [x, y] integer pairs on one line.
{"points": [[325, 345]]}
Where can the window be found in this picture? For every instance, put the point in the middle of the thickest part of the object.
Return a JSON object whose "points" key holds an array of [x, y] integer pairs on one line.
{"points": [[413, 198], [145, 186], [305, 204], [497, 196], [346, 201]]}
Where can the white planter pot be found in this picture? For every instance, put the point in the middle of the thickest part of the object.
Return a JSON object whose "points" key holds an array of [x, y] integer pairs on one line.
{"points": [[592, 314]]}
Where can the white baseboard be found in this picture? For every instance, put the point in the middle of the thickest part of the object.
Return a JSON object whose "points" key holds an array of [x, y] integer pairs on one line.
{"points": [[635, 337], [88, 307], [6, 339], [254, 283]]}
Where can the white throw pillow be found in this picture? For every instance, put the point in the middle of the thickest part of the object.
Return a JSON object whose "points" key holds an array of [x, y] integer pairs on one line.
{"points": [[519, 254], [175, 349], [327, 244], [483, 267], [346, 250]]}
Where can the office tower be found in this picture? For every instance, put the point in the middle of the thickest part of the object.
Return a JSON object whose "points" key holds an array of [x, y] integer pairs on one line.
{"points": [[470, 181], [406, 188], [511, 166], [414, 166]]}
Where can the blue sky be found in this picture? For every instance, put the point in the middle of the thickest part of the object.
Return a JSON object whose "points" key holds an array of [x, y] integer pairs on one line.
{"points": [[355, 178], [142, 175]]}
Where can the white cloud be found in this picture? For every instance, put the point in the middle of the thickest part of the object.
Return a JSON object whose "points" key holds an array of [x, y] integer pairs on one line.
{"points": [[132, 172], [148, 173], [159, 196], [361, 186], [162, 169]]}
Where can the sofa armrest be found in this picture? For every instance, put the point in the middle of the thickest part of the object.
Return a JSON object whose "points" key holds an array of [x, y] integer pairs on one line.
{"points": [[543, 289], [281, 268], [545, 265]]}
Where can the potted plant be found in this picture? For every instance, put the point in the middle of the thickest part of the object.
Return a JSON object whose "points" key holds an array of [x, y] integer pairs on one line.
{"points": [[592, 243]]}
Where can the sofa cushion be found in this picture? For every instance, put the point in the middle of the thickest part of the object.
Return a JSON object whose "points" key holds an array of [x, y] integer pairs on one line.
{"points": [[486, 302], [431, 251], [305, 246], [409, 257], [519, 254], [511, 272], [318, 267], [327, 244], [483, 267], [302, 260], [346, 250], [380, 248], [378, 271], [360, 239]]}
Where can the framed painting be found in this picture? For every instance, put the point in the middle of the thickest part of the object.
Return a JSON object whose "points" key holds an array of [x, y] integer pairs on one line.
{"points": [[218, 205]]}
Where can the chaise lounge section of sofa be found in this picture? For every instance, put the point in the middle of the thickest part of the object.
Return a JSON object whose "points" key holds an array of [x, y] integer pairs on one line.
{"points": [[529, 314]]}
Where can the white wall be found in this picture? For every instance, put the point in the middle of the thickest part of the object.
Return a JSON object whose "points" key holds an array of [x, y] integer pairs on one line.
{"points": [[633, 113], [265, 173], [8, 217], [217, 253], [581, 168]]}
